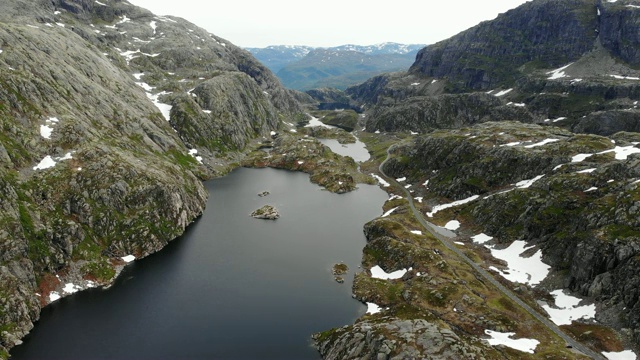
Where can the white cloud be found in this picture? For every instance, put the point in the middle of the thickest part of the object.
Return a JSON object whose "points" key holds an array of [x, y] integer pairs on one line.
{"points": [[288, 22]]}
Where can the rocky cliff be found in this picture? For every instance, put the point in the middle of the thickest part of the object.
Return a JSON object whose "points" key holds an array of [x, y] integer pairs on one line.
{"points": [[574, 196], [111, 117], [569, 62]]}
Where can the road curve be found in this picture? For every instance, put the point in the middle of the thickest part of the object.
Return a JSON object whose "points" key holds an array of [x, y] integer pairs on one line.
{"points": [[508, 293]]}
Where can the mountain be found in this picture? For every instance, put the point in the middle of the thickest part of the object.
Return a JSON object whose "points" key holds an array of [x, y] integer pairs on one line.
{"points": [[275, 57], [305, 68], [525, 128], [111, 116]]}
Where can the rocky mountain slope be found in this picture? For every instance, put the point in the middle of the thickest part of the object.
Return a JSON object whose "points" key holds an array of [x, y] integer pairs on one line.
{"points": [[111, 118], [305, 68], [573, 196], [522, 128], [571, 71]]}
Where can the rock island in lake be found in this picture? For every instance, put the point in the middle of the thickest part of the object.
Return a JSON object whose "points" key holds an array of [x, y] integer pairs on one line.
{"points": [[267, 212]]}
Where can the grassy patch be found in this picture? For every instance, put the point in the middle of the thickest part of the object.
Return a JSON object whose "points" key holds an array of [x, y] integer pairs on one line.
{"points": [[100, 270], [599, 337]]}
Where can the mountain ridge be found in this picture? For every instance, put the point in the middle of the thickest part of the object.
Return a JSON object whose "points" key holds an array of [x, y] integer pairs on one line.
{"points": [[305, 67], [112, 117]]}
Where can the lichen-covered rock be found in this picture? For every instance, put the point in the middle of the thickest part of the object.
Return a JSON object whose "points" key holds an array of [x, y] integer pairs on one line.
{"points": [[266, 212], [580, 203], [395, 339], [338, 174], [550, 32], [90, 168]]}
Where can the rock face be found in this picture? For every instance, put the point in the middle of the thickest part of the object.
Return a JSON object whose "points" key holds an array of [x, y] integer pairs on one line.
{"points": [[266, 212], [581, 209], [394, 339], [540, 62], [90, 168], [547, 32]]}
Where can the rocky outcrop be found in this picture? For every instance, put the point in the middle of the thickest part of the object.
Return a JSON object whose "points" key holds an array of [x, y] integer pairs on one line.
{"points": [[543, 32], [424, 113], [619, 30], [581, 210], [541, 62], [266, 212], [90, 168], [338, 174], [394, 339]]}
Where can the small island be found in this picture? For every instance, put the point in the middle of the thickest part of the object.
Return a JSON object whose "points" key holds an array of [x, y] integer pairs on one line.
{"points": [[266, 212], [264, 193], [338, 270]]}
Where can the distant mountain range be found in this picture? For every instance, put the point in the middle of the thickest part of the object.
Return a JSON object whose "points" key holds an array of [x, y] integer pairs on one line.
{"points": [[305, 67]]}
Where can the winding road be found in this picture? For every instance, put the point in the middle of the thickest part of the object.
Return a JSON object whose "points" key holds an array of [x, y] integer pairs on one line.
{"points": [[447, 242]]}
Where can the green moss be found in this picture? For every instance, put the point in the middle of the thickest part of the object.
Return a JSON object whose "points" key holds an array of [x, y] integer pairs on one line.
{"points": [[184, 160], [616, 232], [100, 270], [25, 219]]}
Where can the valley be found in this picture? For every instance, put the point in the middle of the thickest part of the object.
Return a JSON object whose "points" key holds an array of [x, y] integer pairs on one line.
{"points": [[510, 227]]}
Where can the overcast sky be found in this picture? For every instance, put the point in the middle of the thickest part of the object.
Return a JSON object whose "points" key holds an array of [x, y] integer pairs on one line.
{"points": [[259, 23]]}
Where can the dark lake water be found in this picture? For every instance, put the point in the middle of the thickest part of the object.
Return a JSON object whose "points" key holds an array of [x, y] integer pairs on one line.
{"points": [[232, 287]]}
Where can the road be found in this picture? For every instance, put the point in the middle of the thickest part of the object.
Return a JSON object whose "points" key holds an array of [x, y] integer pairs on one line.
{"points": [[447, 242]]}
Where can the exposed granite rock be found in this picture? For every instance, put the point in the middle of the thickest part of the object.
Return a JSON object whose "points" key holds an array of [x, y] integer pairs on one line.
{"points": [[585, 222], [75, 88], [424, 113], [548, 32], [394, 339], [541, 62], [338, 174], [266, 212]]}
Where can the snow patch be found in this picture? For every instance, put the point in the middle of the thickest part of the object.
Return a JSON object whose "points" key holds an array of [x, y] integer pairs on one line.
{"points": [[389, 212], [373, 308], [71, 288], [401, 179], [438, 208], [503, 92], [53, 296], [568, 309], [622, 152], [541, 143], [619, 77], [452, 225], [530, 270], [165, 109], [381, 181], [588, 171], [580, 158], [558, 73], [45, 163], [481, 238], [524, 184], [378, 273], [591, 189], [524, 344], [46, 131], [128, 258], [194, 153], [99, 3], [624, 355], [416, 232]]}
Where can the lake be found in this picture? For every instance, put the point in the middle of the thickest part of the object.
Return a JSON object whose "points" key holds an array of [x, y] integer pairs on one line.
{"points": [[232, 287]]}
